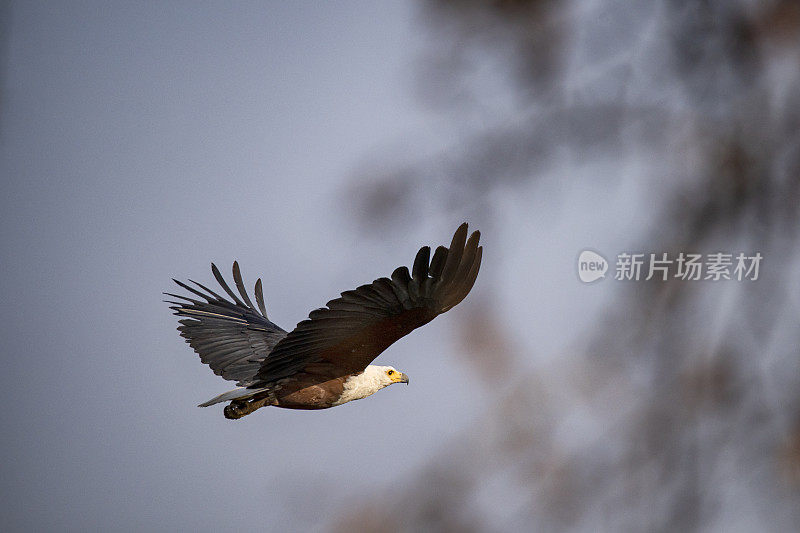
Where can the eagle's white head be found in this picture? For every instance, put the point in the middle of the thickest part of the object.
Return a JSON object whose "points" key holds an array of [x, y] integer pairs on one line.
{"points": [[370, 381], [385, 375]]}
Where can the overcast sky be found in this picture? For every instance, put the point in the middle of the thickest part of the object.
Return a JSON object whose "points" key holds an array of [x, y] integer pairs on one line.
{"points": [[139, 143]]}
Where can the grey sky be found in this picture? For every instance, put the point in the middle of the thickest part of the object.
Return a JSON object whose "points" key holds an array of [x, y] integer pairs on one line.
{"points": [[140, 143]]}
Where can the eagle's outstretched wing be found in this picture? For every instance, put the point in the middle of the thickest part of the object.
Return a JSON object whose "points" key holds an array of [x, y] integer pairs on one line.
{"points": [[354, 329], [233, 338]]}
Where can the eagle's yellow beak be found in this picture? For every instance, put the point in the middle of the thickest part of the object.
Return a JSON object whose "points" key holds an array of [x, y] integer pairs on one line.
{"points": [[399, 377]]}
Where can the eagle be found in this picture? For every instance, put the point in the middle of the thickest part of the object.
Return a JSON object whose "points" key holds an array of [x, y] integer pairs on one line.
{"points": [[325, 360]]}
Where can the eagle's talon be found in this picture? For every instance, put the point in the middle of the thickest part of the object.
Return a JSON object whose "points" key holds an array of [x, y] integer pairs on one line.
{"points": [[235, 410]]}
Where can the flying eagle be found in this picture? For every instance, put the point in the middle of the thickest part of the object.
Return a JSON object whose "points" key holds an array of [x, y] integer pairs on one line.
{"points": [[324, 361]]}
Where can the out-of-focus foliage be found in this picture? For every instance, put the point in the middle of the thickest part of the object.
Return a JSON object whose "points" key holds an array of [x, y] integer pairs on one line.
{"points": [[689, 397]]}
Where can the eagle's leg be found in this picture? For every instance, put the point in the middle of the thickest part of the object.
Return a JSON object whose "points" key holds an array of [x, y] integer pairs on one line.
{"points": [[238, 409]]}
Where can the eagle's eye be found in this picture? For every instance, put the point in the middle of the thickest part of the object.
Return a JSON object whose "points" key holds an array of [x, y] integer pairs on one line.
{"points": [[390, 372]]}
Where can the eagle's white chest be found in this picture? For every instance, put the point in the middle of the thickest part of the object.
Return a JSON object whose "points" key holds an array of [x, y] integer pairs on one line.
{"points": [[360, 386]]}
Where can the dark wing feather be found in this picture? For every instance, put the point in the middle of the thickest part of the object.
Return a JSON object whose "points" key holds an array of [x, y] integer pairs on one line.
{"points": [[233, 338], [355, 328]]}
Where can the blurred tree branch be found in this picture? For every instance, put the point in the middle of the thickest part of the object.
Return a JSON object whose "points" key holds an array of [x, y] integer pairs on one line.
{"points": [[687, 404]]}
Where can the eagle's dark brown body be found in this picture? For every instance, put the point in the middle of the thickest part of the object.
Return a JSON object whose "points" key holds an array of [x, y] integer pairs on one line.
{"points": [[307, 392], [309, 367], [304, 391]]}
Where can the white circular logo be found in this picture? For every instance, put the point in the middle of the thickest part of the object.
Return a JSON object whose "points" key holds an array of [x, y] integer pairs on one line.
{"points": [[591, 266]]}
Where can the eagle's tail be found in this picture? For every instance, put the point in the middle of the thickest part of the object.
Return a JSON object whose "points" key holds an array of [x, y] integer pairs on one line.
{"points": [[239, 393]]}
